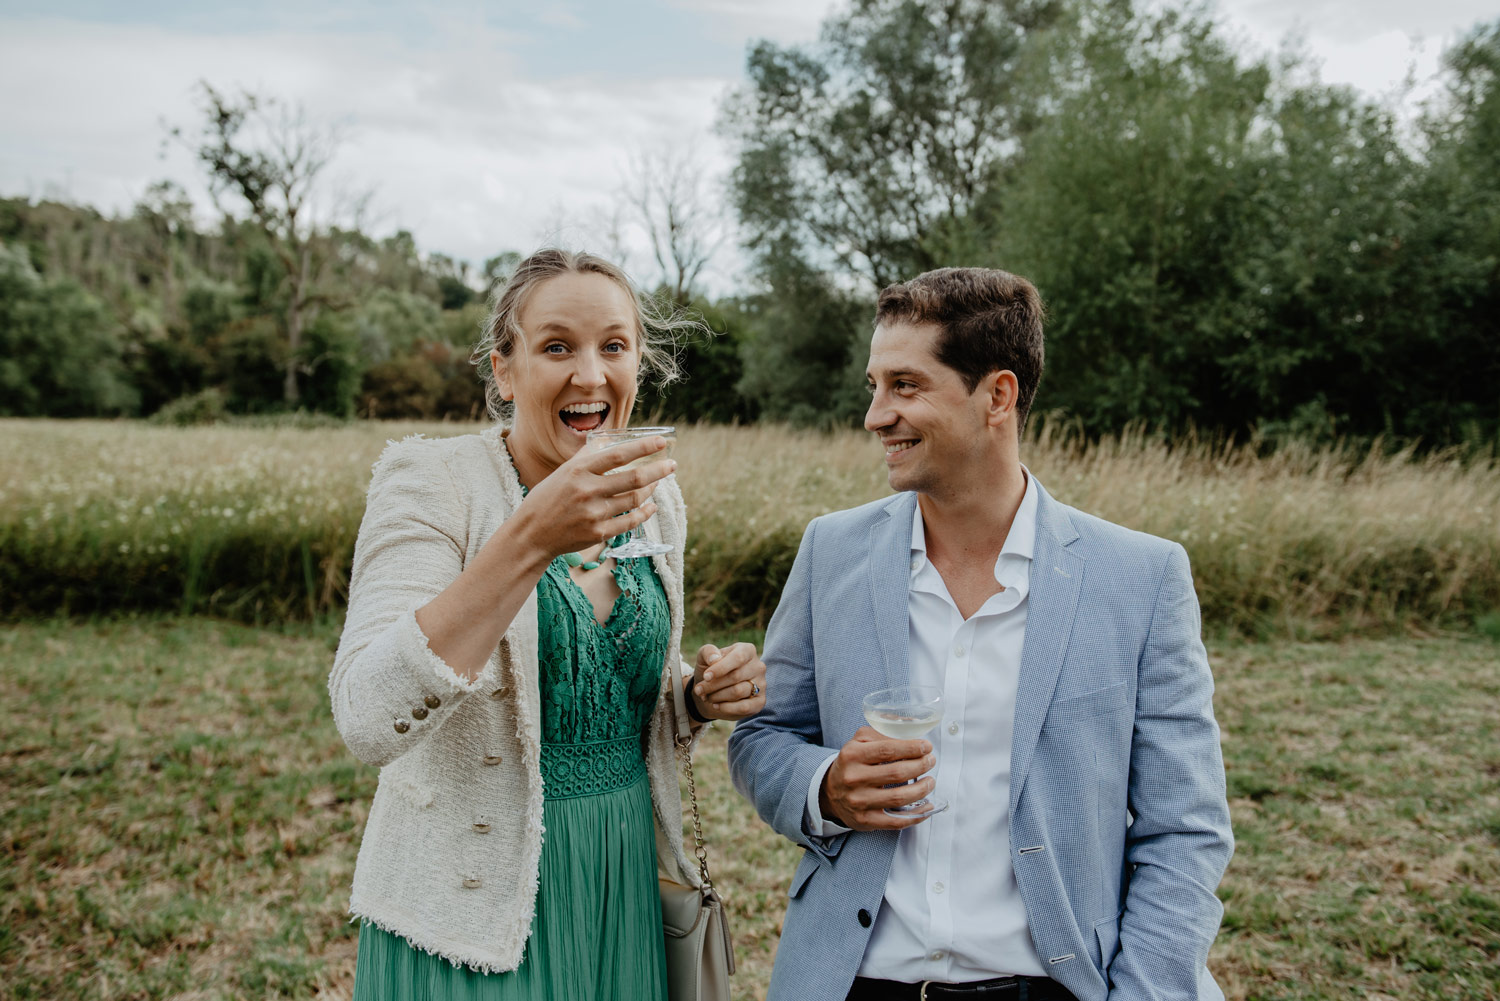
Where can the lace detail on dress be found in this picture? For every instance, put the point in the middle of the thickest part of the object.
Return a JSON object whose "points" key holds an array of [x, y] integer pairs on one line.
{"points": [[570, 770], [600, 682]]}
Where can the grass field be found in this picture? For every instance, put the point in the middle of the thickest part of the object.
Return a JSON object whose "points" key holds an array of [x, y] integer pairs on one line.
{"points": [[179, 819], [259, 523]]}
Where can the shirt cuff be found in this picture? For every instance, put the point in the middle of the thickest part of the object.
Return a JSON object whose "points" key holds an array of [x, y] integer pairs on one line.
{"points": [[812, 816]]}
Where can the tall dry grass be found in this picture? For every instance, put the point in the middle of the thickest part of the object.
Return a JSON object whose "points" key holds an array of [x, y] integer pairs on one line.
{"points": [[260, 523]]}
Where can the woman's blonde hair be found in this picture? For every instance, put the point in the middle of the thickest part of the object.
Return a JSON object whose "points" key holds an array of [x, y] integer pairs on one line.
{"points": [[660, 324]]}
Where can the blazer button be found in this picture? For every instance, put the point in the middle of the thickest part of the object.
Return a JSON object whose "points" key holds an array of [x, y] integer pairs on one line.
{"points": [[472, 882], [498, 693], [492, 759], [419, 712], [433, 701], [402, 726], [864, 918]]}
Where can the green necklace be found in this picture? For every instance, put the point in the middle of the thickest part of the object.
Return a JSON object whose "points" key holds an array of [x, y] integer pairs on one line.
{"points": [[573, 559]]}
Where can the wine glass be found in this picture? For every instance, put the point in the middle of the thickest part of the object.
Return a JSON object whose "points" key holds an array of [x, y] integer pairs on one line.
{"points": [[905, 713], [598, 441]]}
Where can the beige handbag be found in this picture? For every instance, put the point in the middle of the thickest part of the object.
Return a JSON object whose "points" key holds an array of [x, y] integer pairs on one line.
{"points": [[700, 953]]}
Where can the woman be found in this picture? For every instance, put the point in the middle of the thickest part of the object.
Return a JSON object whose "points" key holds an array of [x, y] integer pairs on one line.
{"points": [[512, 686]]}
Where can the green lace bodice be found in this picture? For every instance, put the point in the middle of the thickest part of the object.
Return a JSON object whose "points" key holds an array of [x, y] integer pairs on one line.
{"points": [[600, 682]]}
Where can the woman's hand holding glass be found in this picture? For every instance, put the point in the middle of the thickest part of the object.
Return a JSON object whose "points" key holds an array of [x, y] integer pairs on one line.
{"points": [[582, 503], [728, 684]]}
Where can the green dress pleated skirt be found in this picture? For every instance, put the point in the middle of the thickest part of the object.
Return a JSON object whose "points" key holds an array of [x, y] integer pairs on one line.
{"points": [[597, 929]]}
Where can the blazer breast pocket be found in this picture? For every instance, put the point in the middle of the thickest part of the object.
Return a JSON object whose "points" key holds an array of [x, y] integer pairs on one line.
{"points": [[1099, 703]]}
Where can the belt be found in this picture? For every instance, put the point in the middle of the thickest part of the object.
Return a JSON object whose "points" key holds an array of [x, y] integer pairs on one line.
{"points": [[999, 989]]}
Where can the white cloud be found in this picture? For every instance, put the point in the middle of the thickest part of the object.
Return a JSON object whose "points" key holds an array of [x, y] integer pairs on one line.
{"points": [[1369, 44], [458, 147], [784, 21]]}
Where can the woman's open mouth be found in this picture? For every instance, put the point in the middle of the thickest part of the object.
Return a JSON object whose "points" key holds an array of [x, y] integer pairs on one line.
{"points": [[582, 418]]}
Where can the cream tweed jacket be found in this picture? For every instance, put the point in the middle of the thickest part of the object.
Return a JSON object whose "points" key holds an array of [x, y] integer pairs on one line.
{"points": [[450, 851]]}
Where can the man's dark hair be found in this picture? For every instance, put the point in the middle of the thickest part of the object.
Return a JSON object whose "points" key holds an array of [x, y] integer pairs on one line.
{"points": [[989, 320]]}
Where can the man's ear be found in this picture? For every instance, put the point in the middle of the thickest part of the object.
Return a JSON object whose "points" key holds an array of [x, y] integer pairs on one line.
{"points": [[1004, 391], [502, 375]]}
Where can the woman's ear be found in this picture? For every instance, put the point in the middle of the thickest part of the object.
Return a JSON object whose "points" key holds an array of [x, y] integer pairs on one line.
{"points": [[503, 382]]}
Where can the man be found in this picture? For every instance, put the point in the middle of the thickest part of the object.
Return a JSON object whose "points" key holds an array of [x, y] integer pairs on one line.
{"points": [[1088, 826]]}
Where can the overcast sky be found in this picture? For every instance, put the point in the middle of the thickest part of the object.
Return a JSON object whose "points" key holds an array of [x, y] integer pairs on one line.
{"points": [[483, 127]]}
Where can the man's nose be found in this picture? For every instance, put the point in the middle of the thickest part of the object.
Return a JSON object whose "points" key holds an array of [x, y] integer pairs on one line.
{"points": [[879, 415]]}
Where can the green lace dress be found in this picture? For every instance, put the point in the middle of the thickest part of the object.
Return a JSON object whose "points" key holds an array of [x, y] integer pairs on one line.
{"points": [[597, 932]]}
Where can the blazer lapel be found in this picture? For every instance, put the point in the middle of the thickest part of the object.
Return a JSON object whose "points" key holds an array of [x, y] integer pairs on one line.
{"points": [[888, 556], [1056, 579]]}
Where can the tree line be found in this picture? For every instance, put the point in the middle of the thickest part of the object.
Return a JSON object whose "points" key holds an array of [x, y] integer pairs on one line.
{"points": [[1222, 241]]}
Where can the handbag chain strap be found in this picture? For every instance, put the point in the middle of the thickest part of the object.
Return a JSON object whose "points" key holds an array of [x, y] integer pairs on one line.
{"points": [[700, 850]]}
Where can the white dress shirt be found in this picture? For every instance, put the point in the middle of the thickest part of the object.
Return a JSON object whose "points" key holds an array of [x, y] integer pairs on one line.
{"points": [[952, 910]]}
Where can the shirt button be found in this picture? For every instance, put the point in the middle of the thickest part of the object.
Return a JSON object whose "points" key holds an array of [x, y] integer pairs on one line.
{"points": [[938, 887], [916, 562], [937, 955], [958, 651], [953, 728]]}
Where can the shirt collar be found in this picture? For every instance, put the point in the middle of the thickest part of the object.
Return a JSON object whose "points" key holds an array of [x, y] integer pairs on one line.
{"points": [[1020, 543]]}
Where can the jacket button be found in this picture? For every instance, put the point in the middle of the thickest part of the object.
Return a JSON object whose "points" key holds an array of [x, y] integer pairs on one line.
{"points": [[864, 918], [492, 759], [433, 701], [472, 882], [498, 693], [402, 726], [419, 712]]}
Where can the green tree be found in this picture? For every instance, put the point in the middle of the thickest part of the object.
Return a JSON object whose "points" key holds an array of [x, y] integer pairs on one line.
{"points": [[60, 354], [864, 159], [269, 160]]}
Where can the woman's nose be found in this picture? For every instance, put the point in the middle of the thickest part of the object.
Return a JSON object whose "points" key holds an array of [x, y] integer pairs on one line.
{"points": [[589, 373]]}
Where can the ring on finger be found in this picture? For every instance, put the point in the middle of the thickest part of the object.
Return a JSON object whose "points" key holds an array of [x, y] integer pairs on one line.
{"points": [[754, 689]]}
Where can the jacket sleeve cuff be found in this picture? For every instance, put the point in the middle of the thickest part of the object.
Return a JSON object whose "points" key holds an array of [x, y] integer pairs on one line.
{"points": [[813, 823]]}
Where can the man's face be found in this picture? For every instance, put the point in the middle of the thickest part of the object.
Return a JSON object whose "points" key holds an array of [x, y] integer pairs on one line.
{"points": [[932, 426]]}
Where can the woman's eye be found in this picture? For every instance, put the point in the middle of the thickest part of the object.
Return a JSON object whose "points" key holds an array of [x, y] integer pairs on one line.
{"points": [[614, 347], [554, 349]]}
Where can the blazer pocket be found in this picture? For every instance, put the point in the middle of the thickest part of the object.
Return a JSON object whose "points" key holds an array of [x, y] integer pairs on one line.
{"points": [[1089, 703], [1107, 933], [805, 869]]}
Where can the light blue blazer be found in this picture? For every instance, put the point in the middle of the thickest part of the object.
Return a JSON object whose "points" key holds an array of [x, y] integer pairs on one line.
{"points": [[1119, 828]]}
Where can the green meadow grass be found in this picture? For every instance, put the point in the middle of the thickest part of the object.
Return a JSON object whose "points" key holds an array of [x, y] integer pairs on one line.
{"points": [[179, 819], [258, 523]]}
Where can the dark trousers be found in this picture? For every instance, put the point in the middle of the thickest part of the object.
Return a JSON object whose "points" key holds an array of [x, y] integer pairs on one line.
{"points": [[1001, 989]]}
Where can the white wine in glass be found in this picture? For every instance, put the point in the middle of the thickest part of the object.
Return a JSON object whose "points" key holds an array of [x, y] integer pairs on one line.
{"points": [[906, 713], [598, 441]]}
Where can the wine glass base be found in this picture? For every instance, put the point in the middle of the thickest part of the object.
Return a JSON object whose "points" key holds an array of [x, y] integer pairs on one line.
{"points": [[635, 548], [920, 810]]}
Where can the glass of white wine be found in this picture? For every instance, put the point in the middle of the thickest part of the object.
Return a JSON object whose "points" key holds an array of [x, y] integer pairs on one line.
{"points": [[906, 713], [598, 441]]}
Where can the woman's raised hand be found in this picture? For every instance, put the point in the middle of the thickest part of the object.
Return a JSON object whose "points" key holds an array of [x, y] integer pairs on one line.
{"points": [[584, 501]]}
